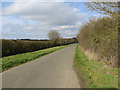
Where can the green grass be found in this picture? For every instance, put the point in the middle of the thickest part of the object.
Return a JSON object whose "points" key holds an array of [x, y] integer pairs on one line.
{"points": [[15, 60], [95, 73]]}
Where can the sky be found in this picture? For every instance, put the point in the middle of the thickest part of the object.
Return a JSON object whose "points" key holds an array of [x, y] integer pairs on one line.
{"points": [[34, 20]]}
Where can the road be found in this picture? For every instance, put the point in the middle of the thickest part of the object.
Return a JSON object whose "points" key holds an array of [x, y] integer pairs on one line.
{"points": [[51, 71]]}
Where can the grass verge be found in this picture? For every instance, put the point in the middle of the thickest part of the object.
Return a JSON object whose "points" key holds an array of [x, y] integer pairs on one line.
{"points": [[15, 60], [96, 74]]}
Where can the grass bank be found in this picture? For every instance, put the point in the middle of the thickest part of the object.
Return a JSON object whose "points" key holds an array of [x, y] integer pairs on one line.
{"points": [[15, 60], [95, 73]]}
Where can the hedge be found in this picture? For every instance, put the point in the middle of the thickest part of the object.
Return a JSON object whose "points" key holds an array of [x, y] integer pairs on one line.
{"points": [[12, 47]]}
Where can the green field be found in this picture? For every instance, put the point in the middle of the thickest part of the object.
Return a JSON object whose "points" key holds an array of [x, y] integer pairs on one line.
{"points": [[15, 60], [95, 73]]}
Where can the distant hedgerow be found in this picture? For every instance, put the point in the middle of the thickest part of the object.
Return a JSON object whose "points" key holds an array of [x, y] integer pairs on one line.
{"points": [[12, 47]]}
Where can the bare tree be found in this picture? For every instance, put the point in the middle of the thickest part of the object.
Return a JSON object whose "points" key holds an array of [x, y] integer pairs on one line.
{"points": [[107, 8], [53, 35]]}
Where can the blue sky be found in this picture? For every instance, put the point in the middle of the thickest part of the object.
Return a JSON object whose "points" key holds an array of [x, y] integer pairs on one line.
{"points": [[35, 20]]}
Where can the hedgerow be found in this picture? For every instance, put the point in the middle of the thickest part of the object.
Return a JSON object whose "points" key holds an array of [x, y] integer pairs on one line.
{"points": [[100, 36], [12, 47]]}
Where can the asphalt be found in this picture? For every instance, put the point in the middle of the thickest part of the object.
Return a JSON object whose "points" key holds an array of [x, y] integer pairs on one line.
{"points": [[50, 71]]}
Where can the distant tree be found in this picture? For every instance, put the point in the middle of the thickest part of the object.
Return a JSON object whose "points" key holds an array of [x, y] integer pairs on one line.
{"points": [[53, 35]]}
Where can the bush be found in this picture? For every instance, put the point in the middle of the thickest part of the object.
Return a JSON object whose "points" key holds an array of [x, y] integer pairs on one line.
{"points": [[101, 36]]}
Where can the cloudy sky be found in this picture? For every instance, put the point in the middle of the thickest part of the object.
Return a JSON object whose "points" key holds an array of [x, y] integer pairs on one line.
{"points": [[21, 20]]}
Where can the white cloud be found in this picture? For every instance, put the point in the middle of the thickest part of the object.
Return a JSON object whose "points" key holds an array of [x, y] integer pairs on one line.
{"points": [[48, 16], [63, 27], [49, 13]]}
